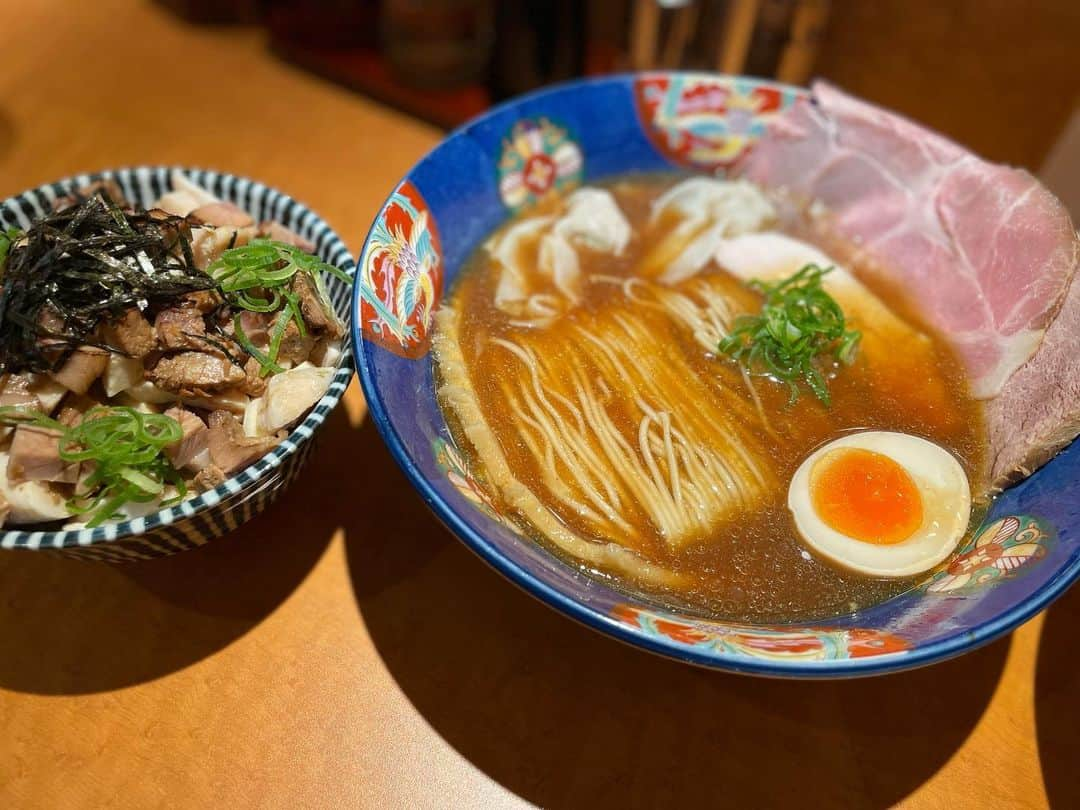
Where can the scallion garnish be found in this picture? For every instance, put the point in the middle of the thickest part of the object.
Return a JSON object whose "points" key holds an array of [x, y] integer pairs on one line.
{"points": [[799, 323], [257, 277], [7, 239], [125, 448], [268, 365]]}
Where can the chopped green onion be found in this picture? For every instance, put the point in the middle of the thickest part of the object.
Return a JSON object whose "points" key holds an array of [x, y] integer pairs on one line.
{"points": [[292, 304], [256, 277], [268, 365], [15, 415], [799, 323], [276, 335], [125, 447], [7, 239]]}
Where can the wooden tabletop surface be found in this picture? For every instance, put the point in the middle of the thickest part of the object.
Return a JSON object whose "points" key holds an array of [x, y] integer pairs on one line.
{"points": [[343, 650]]}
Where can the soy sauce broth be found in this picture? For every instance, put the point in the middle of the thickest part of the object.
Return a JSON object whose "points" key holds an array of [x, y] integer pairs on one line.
{"points": [[751, 567]]}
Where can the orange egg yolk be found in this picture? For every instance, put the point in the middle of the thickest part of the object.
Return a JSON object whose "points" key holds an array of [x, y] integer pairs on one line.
{"points": [[866, 495]]}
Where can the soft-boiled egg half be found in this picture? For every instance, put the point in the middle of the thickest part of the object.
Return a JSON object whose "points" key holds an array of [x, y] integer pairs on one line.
{"points": [[881, 503]]}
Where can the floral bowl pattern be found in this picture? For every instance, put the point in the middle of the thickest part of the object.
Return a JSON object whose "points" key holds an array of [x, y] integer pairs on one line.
{"points": [[1026, 553]]}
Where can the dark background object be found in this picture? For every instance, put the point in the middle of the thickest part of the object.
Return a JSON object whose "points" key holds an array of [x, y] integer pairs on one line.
{"points": [[215, 11], [538, 42], [437, 44], [998, 76]]}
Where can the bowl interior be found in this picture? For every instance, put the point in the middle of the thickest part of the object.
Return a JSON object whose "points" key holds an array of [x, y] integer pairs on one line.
{"points": [[143, 185], [1024, 555]]}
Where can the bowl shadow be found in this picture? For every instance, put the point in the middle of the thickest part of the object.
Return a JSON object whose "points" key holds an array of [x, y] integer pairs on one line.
{"points": [[564, 717], [81, 627], [1057, 685]]}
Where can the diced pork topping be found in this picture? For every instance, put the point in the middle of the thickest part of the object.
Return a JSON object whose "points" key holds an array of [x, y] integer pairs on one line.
{"points": [[181, 328], [194, 374], [35, 456], [132, 334], [319, 318], [82, 367], [230, 449], [222, 214], [191, 452], [295, 347], [279, 233]]}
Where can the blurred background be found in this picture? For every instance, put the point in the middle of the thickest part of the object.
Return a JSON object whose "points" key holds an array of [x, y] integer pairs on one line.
{"points": [[1000, 76]]}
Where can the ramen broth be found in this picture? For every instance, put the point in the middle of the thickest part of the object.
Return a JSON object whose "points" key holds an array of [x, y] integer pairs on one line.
{"points": [[741, 558]]}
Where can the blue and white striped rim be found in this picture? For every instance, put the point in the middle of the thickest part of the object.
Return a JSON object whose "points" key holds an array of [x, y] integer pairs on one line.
{"points": [[219, 510]]}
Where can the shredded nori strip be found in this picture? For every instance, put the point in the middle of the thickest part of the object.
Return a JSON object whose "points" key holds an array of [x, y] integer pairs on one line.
{"points": [[84, 265]]}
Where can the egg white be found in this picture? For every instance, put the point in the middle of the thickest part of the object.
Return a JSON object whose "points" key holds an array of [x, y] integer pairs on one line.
{"points": [[946, 499]]}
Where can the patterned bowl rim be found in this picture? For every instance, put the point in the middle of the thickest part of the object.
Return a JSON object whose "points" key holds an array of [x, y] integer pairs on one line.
{"points": [[286, 210], [712, 658]]}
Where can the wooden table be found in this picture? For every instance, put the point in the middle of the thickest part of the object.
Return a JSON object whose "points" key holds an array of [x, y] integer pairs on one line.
{"points": [[343, 649]]}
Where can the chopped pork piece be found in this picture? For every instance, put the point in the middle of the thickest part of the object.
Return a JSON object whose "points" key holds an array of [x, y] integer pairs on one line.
{"points": [[222, 214], [209, 477], [195, 374], [47, 390], [208, 243], [317, 315], [30, 501], [132, 334], [178, 203], [206, 301], [73, 408], [180, 328], [327, 352], [191, 451], [85, 365], [255, 384], [256, 326], [294, 347], [233, 400], [35, 456], [230, 449], [279, 233], [15, 392], [185, 196]]}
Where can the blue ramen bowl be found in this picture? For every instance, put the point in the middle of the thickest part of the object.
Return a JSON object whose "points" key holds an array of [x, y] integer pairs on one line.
{"points": [[1025, 554]]}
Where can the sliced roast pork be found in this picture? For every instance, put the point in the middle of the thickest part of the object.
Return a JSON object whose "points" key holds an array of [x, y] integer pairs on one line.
{"points": [[984, 252]]}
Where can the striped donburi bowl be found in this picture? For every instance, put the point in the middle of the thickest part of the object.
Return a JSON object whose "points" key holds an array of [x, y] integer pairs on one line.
{"points": [[211, 514]]}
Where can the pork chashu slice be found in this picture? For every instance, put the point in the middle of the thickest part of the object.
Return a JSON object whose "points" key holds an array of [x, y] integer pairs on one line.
{"points": [[985, 253]]}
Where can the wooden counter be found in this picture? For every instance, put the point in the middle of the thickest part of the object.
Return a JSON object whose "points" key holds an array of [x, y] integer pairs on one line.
{"points": [[343, 649]]}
